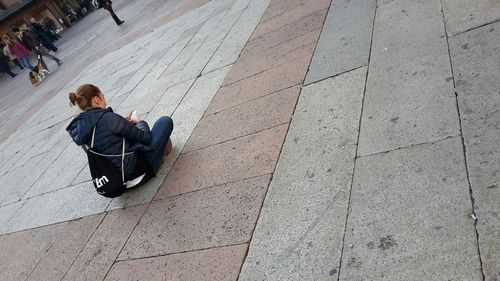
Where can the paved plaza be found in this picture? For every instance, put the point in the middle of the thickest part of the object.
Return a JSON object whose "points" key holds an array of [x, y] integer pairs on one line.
{"points": [[313, 140]]}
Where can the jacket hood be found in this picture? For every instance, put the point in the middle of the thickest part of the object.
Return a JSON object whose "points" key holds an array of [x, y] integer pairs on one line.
{"points": [[81, 128]]}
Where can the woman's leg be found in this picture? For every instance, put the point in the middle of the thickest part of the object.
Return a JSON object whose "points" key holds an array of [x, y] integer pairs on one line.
{"points": [[109, 7], [44, 53], [159, 137], [26, 63]]}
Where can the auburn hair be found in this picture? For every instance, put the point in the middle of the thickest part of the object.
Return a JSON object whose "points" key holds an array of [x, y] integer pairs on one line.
{"points": [[83, 96]]}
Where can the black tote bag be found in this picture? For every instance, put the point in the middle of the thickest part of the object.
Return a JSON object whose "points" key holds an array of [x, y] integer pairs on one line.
{"points": [[108, 180]]}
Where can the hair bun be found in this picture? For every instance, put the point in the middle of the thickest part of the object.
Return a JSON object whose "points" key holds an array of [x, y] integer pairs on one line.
{"points": [[73, 98]]}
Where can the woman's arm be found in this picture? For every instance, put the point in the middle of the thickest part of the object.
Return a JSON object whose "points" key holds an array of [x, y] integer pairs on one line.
{"points": [[120, 126]]}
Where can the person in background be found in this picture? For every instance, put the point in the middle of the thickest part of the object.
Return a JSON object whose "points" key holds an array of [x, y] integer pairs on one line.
{"points": [[51, 28], [18, 50], [6, 52], [34, 45], [41, 34], [4, 65], [106, 4]]}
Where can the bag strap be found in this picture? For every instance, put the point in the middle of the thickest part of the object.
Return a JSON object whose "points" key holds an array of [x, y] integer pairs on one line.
{"points": [[93, 136], [123, 159], [123, 149]]}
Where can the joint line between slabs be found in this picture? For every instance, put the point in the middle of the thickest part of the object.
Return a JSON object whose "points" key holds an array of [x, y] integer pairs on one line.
{"points": [[209, 187], [335, 75], [251, 100], [470, 29], [464, 148], [357, 145], [238, 137], [81, 250], [181, 252], [408, 146], [126, 240]]}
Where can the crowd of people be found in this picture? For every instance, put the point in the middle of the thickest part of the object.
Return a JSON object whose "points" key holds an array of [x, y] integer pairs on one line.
{"points": [[37, 38], [34, 39]]}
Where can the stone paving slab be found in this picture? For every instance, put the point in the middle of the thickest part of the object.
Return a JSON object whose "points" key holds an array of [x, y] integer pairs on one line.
{"points": [[410, 216], [313, 178], [289, 16], [286, 33], [409, 94], [261, 63], [214, 264], [245, 157], [20, 180], [236, 39], [463, 15], [63, 252], [245, 119], [61, 172], [474, 56], [273, 80], [345, 40], [37, 167], [273, 56], [277, 8], [218, 216], [6, 214], [101, 250], [62, 205], [22, 251]]}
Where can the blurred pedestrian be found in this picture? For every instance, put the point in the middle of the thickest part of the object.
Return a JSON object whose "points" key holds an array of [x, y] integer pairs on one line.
{"points": [[4, 65], [106, 4], [41, 34], [34, 45], [51, 28], [18, 50], [6, 52]]}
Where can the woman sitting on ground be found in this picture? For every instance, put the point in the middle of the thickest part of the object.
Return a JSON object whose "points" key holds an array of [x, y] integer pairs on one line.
{"points": [[111, 128]]}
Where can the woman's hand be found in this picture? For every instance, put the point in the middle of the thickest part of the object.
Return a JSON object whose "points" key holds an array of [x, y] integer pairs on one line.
{"points": [[133, 119]]}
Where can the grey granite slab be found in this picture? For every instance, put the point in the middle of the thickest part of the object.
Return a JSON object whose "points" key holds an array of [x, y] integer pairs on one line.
{"points": [[475, 60], [409, 94], [301, 225], [345, 40], [169, 101], [61, 172], [410, 218], [6, 214], [58, 206], [463, 15], [20, 181]]}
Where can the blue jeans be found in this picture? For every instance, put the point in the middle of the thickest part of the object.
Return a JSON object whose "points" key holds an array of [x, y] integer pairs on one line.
{"points": [[26, 62], [159, 137]]}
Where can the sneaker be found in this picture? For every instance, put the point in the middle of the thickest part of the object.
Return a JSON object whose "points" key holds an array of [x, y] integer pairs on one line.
{"points": [[59, 62], [168, 149], [120, 22]]}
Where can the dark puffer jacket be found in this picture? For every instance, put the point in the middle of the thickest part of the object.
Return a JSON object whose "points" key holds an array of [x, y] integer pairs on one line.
{"points": [[109, 134]]}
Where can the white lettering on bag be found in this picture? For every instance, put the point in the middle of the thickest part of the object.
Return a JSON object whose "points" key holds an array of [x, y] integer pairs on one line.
{"points": [[101, 181]]}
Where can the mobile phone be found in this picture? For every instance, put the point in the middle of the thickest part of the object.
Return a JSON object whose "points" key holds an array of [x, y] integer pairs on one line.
{"points": [[133, 115]]}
